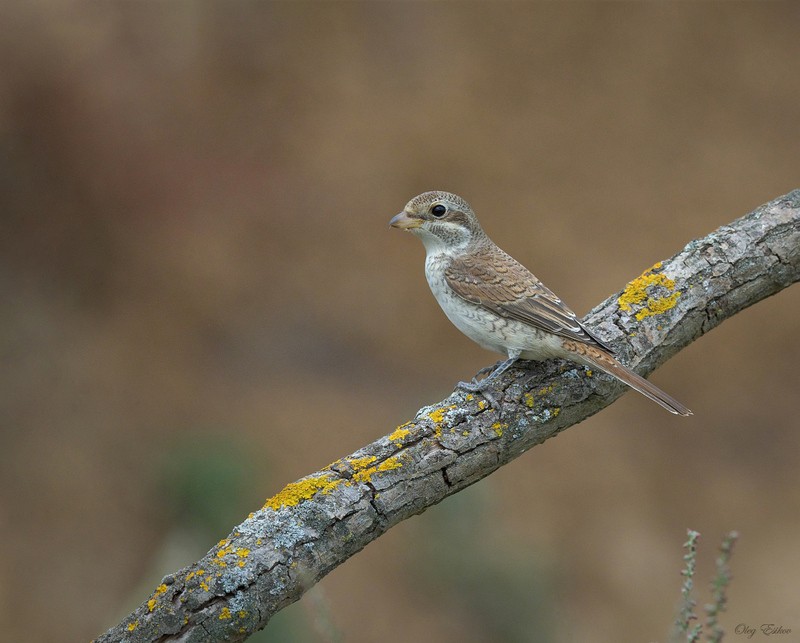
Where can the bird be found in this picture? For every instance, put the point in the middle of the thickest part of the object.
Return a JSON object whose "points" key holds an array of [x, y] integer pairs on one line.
{"points": [[499, 304]]}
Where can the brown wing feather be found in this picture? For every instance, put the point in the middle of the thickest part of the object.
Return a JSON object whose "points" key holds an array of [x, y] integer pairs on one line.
{"points": [[499, 283]]}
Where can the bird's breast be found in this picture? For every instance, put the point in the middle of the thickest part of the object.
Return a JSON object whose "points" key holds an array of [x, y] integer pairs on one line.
{"points": [[485, 327], [470, 319]]}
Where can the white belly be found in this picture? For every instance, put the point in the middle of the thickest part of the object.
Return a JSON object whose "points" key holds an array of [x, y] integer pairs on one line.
{"points": [[492, 332]]}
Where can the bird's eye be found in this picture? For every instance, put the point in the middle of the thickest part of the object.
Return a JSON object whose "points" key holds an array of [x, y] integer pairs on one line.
{"points": [[438, 211]]}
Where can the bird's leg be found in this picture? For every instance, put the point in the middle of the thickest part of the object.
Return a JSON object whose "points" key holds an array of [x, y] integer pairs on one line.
{"points": [[499, 369], [486, 370]]}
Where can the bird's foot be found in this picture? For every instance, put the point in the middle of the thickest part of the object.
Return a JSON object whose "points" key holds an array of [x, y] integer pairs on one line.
{"points": [[480, 387], [491, 372], [474, 386], [486, 370], [495, 371]]}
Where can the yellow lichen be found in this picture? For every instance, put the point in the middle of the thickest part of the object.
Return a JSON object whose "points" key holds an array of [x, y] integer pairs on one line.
{"points": [[498, 428], [636, 294], [225, 614], [226, 548], [242, 553], [389, 464], [365, 475], [399, 433], [438, 415], [133, 626], [151, 604], [242, 614], [295, 492], [360, 464], [530, 398]]}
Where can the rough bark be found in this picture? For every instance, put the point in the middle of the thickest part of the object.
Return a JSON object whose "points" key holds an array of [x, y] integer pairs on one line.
{"points": [[318, 522]]}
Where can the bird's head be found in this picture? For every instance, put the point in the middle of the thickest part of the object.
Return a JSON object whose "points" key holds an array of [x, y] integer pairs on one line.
{"points": [[443, 221]]}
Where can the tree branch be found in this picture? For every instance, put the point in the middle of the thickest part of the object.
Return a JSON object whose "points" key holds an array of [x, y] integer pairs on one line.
{"points": [[318, 522]]}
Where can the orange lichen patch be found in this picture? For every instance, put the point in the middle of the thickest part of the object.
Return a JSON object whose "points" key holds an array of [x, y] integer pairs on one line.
{"points": [[296, 492], [636, 294]]}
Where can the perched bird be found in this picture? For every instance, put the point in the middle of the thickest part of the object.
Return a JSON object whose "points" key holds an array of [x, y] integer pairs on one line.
{"points": [[498, 303]]}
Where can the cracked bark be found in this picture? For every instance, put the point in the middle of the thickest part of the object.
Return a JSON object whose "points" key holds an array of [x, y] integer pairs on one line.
{"points": [[315, 524]]}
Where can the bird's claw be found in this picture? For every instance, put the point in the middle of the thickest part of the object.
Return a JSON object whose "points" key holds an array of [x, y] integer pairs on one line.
{"points": [[479, 387], [473, 387]]}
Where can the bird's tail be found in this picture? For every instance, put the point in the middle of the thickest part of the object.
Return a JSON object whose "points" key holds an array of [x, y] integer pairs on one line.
{"points": [[610, 365]]}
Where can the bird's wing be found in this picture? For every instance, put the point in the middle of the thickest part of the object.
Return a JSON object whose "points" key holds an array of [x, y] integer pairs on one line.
{"points": [[499, 283]]}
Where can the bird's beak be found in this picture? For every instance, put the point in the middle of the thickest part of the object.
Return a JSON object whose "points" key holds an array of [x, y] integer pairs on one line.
{"points": [[404, 222]]}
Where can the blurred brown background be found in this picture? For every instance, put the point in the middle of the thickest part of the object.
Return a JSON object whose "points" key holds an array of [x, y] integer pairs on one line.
{"points": [[201, 300]]}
